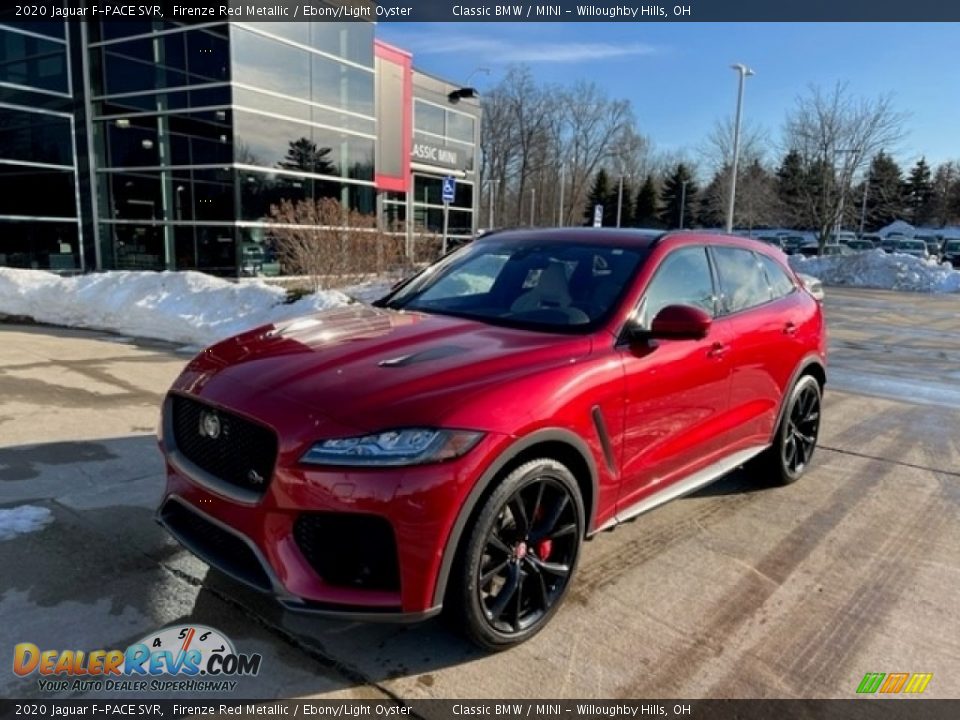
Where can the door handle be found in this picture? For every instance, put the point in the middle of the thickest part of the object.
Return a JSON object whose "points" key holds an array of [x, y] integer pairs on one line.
{"points": [[790, 328], [717, 350]]}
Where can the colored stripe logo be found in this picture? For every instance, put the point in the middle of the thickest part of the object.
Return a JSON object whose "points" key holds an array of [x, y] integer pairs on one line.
{"points": [[894, 683]]}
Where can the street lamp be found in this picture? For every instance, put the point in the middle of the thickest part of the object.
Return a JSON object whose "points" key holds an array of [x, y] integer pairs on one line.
{"points": [[744, 72]]}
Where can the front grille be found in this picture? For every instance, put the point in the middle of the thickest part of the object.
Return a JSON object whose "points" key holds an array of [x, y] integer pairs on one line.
{"points": [[349, 550], [219, 548], [230, 448]]}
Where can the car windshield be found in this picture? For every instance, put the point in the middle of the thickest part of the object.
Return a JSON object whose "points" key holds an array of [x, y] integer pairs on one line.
{"points": [[911, 245], [952, 246], [541, 285]]}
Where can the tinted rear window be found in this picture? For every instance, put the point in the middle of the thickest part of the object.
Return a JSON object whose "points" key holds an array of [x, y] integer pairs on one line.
{"points": [[743, 283]]}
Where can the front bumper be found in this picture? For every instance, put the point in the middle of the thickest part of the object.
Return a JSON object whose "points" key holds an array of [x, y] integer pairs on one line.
{"points": [[254, 539]]}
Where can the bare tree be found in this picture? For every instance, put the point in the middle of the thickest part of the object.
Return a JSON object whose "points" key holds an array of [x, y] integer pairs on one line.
{"points": [[716, 151], [756, 190], [593, 123], [835, 135], [531, 131], [330, 244]]}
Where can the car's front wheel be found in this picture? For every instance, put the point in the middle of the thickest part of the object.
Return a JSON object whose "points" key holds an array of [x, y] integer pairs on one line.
{"points": [[796, 439], [520, 556]]}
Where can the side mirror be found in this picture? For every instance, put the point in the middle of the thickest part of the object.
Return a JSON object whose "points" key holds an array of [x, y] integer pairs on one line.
{"points": [[680, 322], [674, 322]]}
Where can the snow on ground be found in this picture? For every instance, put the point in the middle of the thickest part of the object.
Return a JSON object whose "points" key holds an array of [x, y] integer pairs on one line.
{"points": [[24, 519], [877, 269], [183, 307]]}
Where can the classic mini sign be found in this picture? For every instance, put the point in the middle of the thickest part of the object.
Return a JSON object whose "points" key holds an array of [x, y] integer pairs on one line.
{"points": [[435, 155]]}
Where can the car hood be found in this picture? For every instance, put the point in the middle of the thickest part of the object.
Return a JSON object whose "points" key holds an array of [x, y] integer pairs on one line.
{"points": [[370, 368]]}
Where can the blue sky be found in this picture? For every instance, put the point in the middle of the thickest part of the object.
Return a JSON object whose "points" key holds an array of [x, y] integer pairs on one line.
{"points": [[678, 76]]}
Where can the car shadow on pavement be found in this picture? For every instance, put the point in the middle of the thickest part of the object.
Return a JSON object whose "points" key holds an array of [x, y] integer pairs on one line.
{"points": [[741, 481], [102, 573], [99, 572]]}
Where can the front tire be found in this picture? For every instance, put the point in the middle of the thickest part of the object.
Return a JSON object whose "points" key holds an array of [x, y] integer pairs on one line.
{"points": [[519, 557], [788, 458]]}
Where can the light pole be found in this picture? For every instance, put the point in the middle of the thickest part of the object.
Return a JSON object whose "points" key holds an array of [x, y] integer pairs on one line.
{"points": [[744, 72], [533, 203], [683, 202], [619, 200], [563, 180], [863, 205]]}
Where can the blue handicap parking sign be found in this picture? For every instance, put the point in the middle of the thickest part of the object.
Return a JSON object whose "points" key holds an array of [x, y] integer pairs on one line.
{"points": [[449, 188]]}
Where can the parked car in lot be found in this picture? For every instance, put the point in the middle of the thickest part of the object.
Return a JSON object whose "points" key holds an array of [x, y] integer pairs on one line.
{"points": [[873, 238], [859, 244], [452, 446], [951, 252], [777, 241], [890, 242], [932, 242], [841, 238], [812, 249], [793, 243], [912, 246]]}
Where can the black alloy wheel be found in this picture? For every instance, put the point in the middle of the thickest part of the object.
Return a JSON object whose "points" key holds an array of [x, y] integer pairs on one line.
{"points": [[802, 427], [791, 452], [521, 555]]}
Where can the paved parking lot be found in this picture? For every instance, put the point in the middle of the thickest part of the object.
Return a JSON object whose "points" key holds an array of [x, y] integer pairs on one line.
{"points": [[735, 591]]}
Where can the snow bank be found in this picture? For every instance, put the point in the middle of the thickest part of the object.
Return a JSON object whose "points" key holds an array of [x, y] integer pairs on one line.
{"points": [[183, 307], [877, 269], [23, 519]]}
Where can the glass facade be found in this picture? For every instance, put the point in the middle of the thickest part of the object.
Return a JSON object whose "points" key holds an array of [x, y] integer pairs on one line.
{"points": [[163, 145], [444, 128], [39, 219]]}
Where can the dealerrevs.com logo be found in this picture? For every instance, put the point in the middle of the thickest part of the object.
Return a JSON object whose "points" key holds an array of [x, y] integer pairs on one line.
{"points": [[200, 657]]}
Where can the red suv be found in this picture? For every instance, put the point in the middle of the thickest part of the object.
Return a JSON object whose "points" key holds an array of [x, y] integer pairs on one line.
{"points": [[453, 445]]}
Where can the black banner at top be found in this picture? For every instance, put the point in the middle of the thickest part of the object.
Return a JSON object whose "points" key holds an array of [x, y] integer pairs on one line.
{"points": [[625, 11]]}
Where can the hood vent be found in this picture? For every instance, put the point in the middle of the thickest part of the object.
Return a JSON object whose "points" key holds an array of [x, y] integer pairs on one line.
{"points": [[436, 353]]}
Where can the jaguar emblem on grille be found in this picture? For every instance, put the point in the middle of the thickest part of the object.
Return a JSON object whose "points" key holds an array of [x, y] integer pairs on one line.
{"points": [[255, 478], [209, 425]]}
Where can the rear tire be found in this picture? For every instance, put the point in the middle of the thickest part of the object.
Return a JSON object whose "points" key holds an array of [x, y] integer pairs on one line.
{"points": [[519, 557], [795, 441]]}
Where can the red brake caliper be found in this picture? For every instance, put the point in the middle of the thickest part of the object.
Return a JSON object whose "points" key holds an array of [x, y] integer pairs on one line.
{"points": [[544, 548]]}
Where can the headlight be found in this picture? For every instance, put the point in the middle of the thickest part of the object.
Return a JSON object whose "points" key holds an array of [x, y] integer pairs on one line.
{"points": [[413, 446]]}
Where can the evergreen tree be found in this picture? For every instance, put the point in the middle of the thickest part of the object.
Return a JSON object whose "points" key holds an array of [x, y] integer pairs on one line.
{"points": [[599, 195], [646, 207], [792, 176], [713, 210], [674, 196], [885, 200], [919, 191], [303, 154]]}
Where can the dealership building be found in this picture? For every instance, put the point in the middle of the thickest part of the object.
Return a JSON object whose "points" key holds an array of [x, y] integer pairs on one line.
{"points": [[156, 145]]}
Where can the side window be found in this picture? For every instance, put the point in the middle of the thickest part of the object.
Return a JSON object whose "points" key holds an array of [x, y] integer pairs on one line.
{"points": [[780, 282], [683, 278], [743, 283]]}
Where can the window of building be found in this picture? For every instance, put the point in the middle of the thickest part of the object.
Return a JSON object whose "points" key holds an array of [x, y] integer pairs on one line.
{"points": [[33, 62], [460, 127], [192, 57], [36, 244], [44, 192], [429, 189], [429, 118], [270, 142], [35, 137]]}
